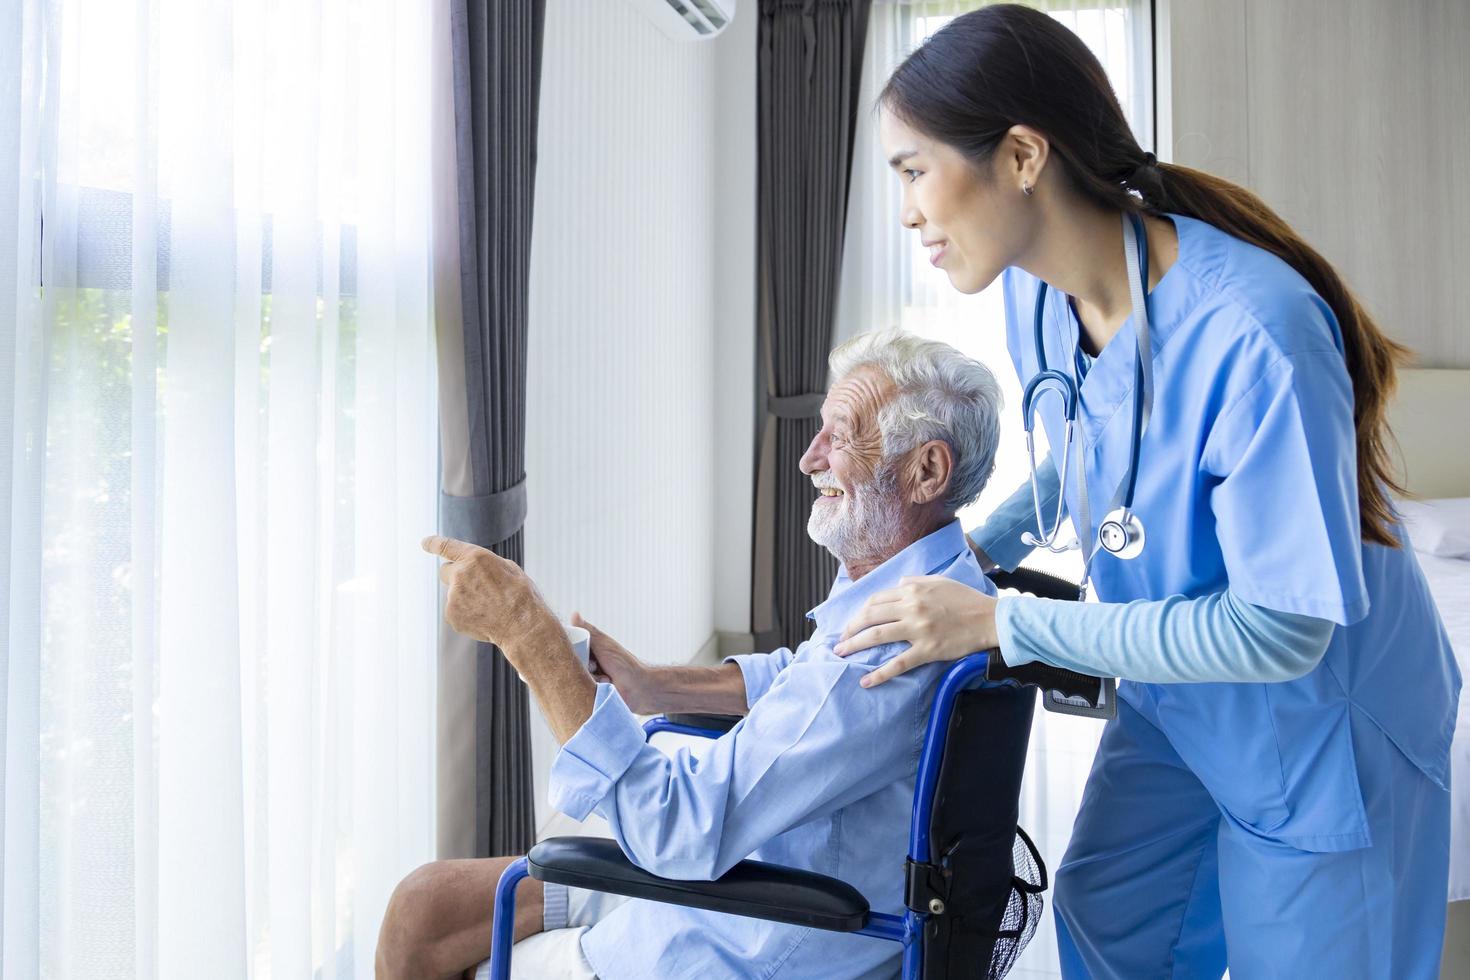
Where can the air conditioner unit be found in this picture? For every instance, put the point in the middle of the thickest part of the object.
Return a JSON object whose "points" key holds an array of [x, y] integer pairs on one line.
{"points": [[688, 20]]}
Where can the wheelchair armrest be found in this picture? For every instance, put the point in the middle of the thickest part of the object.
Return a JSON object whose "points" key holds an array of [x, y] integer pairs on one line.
{"points": [[703, 726], [752, 888], [713, 723]]}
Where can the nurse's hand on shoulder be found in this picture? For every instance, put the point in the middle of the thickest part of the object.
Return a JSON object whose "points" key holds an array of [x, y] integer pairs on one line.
{"points": [[941, 619]]}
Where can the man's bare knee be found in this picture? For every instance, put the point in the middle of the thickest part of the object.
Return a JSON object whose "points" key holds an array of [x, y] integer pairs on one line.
{"points": [[411, 929], [438, 920]]}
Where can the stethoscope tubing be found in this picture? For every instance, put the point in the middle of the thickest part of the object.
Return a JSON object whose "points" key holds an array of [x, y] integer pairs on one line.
{"points": [[1067, 388]]}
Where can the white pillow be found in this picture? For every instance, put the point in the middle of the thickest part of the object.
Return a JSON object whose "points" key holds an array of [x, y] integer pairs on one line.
{"points": [[1438, 527]]}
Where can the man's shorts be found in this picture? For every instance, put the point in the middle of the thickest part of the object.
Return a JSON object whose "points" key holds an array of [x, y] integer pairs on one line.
{"points": [[556, 953]]}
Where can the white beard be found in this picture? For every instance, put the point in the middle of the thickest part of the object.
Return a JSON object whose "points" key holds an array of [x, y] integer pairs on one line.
{"points": [[865, 524]]}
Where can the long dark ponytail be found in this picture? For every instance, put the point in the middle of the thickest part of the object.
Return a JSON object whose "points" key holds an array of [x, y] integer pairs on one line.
{"points": [[1006, 64]]}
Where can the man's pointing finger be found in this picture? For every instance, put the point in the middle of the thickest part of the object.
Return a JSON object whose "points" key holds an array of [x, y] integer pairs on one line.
{"points": [[451, 548]]}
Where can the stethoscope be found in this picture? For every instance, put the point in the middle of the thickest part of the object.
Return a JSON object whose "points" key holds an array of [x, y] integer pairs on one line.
{"points": [[1121, 532]]}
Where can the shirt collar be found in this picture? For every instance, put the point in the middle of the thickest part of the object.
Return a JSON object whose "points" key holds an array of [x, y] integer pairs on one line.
{"points": [[925, 556]]}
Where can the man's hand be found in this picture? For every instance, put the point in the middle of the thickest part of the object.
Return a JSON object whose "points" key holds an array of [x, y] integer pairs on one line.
{"points": [[494, 601], [610, 661], [491, 599]]}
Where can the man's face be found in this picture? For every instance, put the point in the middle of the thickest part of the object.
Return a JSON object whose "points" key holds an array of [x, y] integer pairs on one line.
{"points": [[859, 509]]}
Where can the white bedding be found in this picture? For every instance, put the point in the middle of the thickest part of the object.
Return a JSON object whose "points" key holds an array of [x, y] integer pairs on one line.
{"points": [[1449, 582]]}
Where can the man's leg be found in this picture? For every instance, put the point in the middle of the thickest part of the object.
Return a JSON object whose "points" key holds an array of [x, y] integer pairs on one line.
{"points": [[438, 922]]}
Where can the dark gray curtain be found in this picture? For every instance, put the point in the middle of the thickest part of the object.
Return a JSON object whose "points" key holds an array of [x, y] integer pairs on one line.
{"points": [[810, 67], [497, 77]]}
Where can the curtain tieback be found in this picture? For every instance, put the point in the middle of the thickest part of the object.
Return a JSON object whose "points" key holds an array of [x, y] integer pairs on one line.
{"points": [[807, 406], [485, 520]]}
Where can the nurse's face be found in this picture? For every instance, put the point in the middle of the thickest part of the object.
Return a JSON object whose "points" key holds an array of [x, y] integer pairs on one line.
{"points": [[973, 223]]}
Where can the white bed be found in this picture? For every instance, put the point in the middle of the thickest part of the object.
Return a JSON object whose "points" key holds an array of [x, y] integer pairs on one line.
{"points": [[1449, 581], [1428, 418]]}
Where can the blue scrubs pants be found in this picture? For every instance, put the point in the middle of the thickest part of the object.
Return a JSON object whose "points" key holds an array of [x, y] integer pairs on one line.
{"points": [[1160, 882]]}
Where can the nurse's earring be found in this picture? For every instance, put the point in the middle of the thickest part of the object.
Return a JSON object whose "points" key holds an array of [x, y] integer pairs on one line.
{"points": [[1027, 189]]}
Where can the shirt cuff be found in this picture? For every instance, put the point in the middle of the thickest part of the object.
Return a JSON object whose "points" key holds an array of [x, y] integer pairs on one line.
{"points": [[759, 671], [595, 758], [1014, 649]]}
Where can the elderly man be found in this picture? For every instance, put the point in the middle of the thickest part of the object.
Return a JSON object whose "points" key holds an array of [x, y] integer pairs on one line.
{"points": [[819, 774]]}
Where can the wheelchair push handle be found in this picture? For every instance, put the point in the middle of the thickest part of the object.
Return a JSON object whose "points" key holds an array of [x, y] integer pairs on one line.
{"points": [[1066, 682], [1035, 582], [1065, 691]]}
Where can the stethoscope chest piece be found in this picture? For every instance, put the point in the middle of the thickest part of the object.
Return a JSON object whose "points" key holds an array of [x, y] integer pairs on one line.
{"points": [[1121, 533]]}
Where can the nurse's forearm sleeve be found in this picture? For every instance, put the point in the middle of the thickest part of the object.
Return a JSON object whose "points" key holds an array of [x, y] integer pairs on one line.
{"points": [[1170, 641], [1000, 535]]}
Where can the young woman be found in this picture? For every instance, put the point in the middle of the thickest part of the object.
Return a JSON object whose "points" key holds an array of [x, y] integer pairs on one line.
{"points": [[1273, 794]]}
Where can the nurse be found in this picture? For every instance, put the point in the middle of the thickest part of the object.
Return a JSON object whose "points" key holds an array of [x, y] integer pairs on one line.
{"points": [[1273, 793]]}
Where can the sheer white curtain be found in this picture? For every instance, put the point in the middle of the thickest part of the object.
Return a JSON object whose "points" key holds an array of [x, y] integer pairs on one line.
{"points": [[887, 281], [217, 457]]}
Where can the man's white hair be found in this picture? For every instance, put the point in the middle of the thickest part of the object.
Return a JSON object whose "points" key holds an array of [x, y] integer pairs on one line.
{"points": [[942, 394]]}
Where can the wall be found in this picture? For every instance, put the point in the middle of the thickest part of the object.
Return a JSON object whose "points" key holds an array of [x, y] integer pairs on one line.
{"points": [[1348, 117], [735, 288], [636, 323]]}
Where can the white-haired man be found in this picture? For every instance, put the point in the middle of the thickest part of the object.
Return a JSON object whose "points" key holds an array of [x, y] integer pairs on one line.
{"points": [[819, 774]]}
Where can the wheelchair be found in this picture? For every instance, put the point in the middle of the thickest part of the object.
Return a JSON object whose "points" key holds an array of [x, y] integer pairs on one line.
{"points": [[973, 878]]}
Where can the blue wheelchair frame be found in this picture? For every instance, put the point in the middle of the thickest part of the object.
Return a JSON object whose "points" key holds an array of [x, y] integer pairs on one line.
{"points": [[906, 929]]}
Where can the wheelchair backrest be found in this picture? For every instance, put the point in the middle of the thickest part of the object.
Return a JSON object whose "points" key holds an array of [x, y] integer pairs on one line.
{"points": [[984, 872], [972, 864]]}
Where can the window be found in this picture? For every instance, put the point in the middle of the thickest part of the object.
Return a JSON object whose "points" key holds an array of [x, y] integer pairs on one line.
{"points": [[221, 633]]}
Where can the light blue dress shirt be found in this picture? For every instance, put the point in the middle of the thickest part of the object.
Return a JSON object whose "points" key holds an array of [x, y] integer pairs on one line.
{"points": [[819, 775]]}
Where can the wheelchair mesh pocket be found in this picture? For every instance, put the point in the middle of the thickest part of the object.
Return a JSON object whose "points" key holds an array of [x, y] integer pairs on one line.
{"points": [[1023, 909]]}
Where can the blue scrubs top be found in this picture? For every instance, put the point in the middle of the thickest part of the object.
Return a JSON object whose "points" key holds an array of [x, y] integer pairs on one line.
{"points": [[1248, 480]]}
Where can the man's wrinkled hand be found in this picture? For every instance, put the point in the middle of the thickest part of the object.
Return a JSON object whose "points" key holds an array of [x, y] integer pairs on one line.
{"points": [[490, 598], [611, 662]]}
